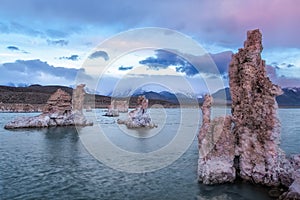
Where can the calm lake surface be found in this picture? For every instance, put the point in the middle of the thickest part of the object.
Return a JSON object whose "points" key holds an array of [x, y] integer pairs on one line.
{"points": [[54, 164]]}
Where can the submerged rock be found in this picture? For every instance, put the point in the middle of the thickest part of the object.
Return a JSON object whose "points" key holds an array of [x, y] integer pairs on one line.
{"points": [[216, 148], [57, 112], [139, 117]]}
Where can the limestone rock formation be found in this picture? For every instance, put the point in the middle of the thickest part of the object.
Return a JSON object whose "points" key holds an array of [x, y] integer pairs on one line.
{"points": [[251, 142], [119, 105], [78, 98], [293, 179], [140, 116], [111, 112], [115, 107], [57, 112], [294, 189], [216, 148], [59, 102], [256, 125]]}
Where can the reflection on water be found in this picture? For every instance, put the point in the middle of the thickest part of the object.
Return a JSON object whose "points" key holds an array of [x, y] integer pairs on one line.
{"points": [[53, 164]]}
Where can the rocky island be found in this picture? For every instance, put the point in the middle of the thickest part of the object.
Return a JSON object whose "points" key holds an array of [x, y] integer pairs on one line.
{"points": [[60, 110], [139, 117], [246, 144]]}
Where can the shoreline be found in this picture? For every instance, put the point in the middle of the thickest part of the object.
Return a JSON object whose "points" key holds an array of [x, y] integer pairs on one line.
{"points": [[18, 108]]}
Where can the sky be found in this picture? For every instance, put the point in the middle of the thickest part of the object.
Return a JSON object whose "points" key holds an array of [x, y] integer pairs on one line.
{"points": [[55, 42]]}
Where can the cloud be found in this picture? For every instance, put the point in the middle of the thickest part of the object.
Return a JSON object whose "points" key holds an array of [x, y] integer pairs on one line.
{"points": [[99, 54], [188, 69], [122, 68], [37, 29], [17, 49], [222, 22], [16, 27], [280, 79], [290, 65], [58, 42], [72, 57], [283, 65], [164, 59], [13, 48], [56, 33], [37, 72], [222, 60]]}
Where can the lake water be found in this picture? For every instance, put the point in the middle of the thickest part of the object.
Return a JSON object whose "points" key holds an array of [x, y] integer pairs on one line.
{"points": [[54, 164]]}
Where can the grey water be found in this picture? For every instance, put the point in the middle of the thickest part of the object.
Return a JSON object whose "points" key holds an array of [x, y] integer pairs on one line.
{"points": [[53, 163]]}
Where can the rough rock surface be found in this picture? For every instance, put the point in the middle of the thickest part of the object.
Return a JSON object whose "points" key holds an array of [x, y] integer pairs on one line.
{"points": [[119, 105], [294, 187], [115, 107], [140, 116], [111, 112], [256, 125], [57, 112], [216, 148], [59, 102], [78, 98], [255, 133]]}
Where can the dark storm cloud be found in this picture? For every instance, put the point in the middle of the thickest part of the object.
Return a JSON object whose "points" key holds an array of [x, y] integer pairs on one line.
{"points": [[99, 54]]}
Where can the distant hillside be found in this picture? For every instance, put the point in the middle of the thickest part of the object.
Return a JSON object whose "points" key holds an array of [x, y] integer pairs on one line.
{"points": [[221, 93], [34, 94], [37, 94], [163, 96], [289, 98]]}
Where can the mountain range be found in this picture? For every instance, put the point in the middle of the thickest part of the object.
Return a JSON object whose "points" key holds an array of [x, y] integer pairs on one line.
{"points": [[37, 94], [289, 98]]}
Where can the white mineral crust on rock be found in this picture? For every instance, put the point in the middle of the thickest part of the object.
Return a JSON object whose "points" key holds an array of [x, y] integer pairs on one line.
{"points": [[139, 117], [58, 111]]}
